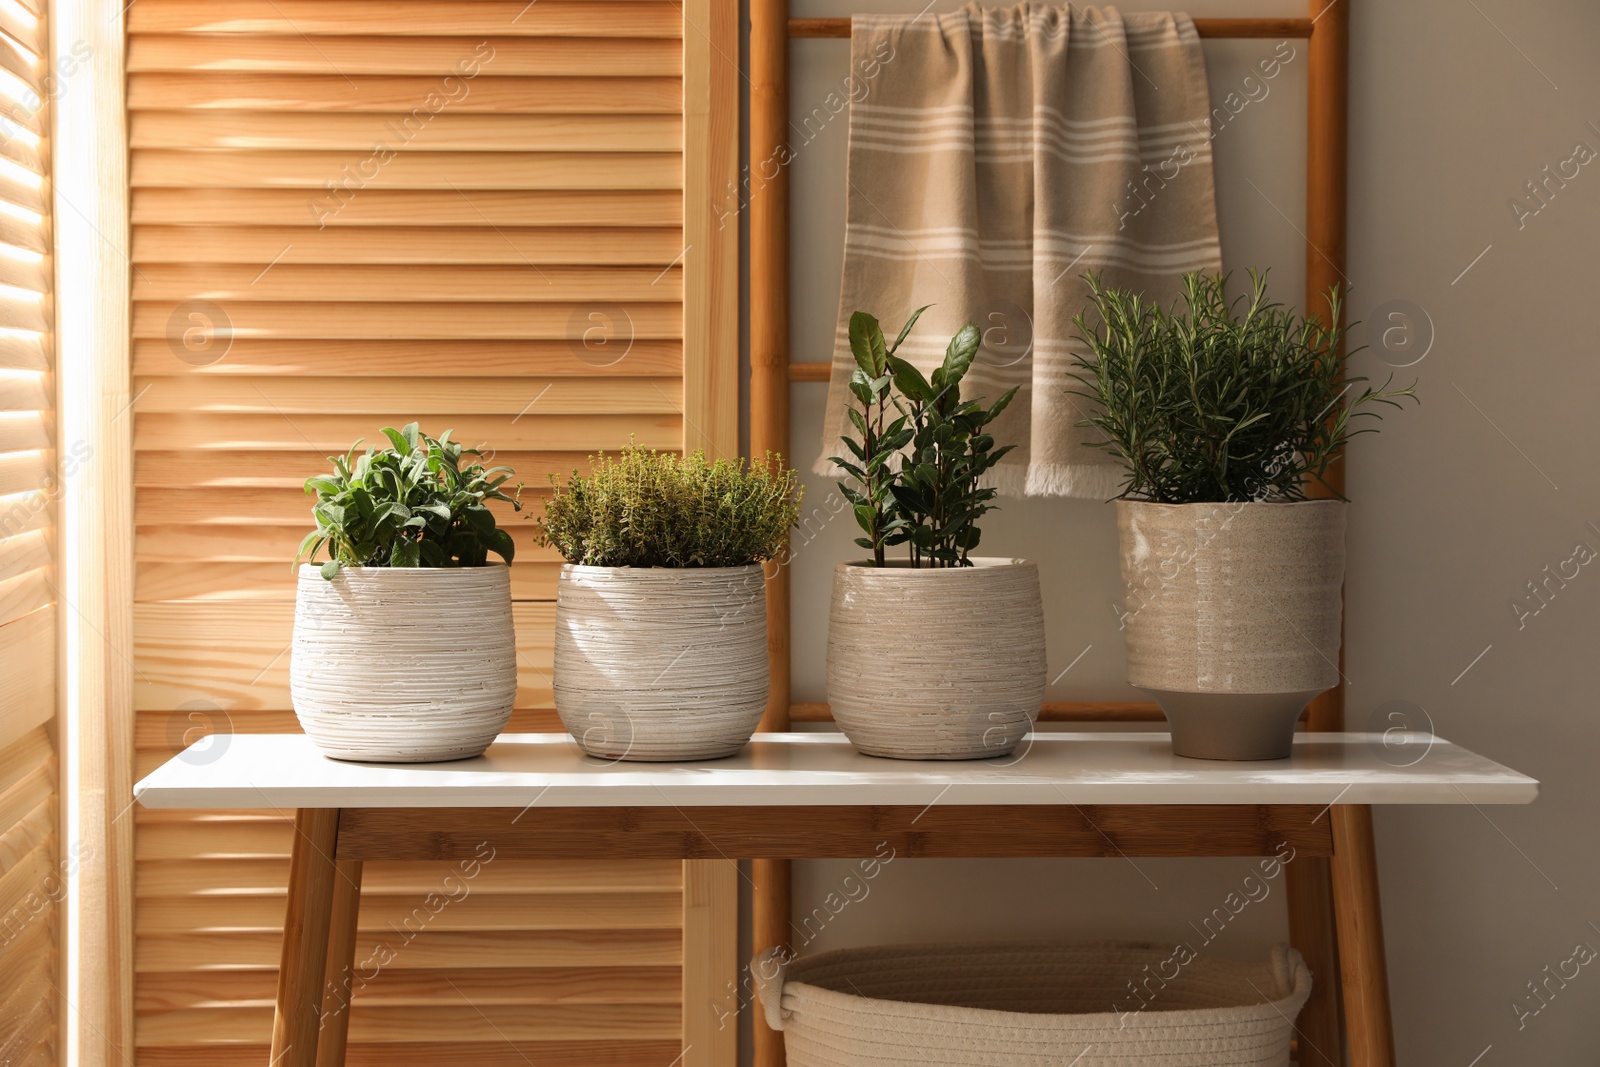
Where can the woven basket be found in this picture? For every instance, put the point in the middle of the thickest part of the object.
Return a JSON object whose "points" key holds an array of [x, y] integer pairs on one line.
{"points": [[1032, 1005]]}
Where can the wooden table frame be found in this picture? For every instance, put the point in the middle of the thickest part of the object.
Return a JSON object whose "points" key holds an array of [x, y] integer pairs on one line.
{"points": [[330, 846]]}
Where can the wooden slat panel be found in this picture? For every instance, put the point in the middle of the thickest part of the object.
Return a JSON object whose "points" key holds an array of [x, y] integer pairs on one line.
{"points": [[26, 312], [533, 985], [407, 170], [29, 974], [489, 94], [585, 286], [22, 24], [30, 393], [171, 878], [444, 132], [265, 246], [612, 352], [26, 155], [418, 208], [23, 351], [22, 472], [27, 697], [23, 875], [32, 834], [25, 274], [414, 397], [29, 432], [21, 63], [24, 552], [396, 1025], [354, 56], [192, 837], [426, 18], [30, 882], [24, 757], [27, 593], [595, 1052], [22, 116], [34, 791], [18, 233], [410, 320], [335, 433], [453, 908], [431, 949]]}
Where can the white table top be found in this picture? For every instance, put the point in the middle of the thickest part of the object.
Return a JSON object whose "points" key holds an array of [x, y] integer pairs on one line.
{"points": [[286, 771]]}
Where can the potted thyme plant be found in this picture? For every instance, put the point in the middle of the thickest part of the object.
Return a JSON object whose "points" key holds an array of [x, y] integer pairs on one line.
{"points": [[661, 609], [939, 654], [403, 649], [1225, 417]]}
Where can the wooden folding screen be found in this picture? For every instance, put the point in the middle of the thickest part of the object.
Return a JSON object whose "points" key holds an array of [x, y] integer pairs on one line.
{"points": [[32, 466], [351, 213]]}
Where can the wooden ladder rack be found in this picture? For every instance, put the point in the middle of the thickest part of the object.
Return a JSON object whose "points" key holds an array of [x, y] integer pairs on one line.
{"points": [[1310, 883]]}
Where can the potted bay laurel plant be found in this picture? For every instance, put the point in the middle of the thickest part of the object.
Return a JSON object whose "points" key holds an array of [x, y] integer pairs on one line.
{"points": [[661, 609], [937, 654], [1225, 417], [403, 649]]}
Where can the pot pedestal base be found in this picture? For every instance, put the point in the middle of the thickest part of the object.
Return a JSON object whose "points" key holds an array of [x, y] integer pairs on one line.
{"points": [[1232, 726]]}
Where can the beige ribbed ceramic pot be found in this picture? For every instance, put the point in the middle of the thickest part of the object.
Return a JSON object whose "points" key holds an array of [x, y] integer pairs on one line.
{"points": [[944, 663], [661, 663], [404, 665], [1231, 617]]}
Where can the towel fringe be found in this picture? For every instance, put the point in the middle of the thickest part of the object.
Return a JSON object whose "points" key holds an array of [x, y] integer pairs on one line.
{"points": [[1085, 481]]}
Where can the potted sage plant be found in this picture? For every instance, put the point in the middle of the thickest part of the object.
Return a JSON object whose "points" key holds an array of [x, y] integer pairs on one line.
{"points": [[1225, 416], [939, 653], [404, 650], [661, 608]]}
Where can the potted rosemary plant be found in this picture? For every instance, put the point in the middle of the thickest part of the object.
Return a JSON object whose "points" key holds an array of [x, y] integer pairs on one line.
{"points": [[403, 649], [938, 654], [661, 609], [1225, 417]]}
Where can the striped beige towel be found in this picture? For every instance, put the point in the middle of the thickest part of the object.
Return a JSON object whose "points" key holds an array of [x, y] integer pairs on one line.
{"points": [[994, 157]]}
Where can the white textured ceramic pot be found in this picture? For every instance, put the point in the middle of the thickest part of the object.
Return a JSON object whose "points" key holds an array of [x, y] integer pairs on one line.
{"points": [[404, 665], [944, 663], [661, 663], [1232, 617]]}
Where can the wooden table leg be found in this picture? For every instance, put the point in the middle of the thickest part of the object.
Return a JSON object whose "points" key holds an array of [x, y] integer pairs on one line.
{"points": [[339, 986], [305, 938], [769, 925], [1359, 919], [1310, 899]]}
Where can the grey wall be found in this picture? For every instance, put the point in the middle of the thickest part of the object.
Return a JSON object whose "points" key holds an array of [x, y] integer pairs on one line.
{"points": [[1458, 505]]}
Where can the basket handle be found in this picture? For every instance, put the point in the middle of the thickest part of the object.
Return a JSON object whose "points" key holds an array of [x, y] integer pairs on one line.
{"points": [[1291, 974], [768, 969]]}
